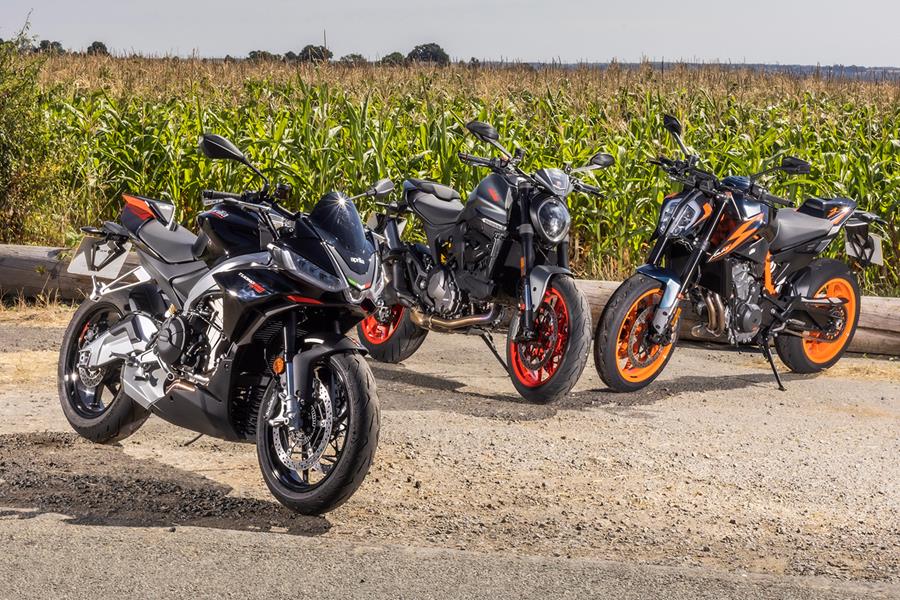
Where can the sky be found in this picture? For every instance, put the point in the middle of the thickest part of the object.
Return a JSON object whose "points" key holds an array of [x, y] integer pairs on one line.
{"points": [[857, 32]]}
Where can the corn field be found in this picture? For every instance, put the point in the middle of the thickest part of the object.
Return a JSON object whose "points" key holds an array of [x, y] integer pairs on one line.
{"points": [[113, 125]]}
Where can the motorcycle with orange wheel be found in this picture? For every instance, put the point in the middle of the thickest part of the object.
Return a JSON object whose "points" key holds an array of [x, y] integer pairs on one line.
{"points": [[501, 256], [749, 265]]}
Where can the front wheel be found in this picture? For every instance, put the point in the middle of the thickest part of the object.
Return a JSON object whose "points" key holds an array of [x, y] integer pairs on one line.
{"points": [[546, 367], [317, 468], [389, 334], [625, 358], [822, 349]]}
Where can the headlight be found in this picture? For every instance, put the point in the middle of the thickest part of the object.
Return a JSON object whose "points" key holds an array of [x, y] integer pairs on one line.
{"points": [[306, 270], [685, 212], [551, 220]]}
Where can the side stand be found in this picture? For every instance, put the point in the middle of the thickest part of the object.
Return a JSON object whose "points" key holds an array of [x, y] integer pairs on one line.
{"points": [[489, 342], [767, 352]]}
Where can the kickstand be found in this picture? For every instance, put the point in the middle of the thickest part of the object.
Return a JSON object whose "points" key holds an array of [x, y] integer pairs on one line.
{"points": [[188, 443], [489, 342], [767, 352]]}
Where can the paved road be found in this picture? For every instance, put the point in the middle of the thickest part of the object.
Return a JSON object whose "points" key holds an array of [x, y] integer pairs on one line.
{"points": [[711, 484]]}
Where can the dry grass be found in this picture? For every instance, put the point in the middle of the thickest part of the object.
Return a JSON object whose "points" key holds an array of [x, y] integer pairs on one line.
{"points": [[26, 366]]}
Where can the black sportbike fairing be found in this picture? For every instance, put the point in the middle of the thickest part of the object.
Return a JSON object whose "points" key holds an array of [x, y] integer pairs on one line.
{"points": [[209, 314]]}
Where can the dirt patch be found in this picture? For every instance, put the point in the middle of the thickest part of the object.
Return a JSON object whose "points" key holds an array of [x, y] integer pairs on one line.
{"points": [[60, 473], [27, 367]]}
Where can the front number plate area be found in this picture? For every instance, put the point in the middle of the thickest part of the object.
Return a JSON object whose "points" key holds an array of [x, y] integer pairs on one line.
{"points": [[98, 257]]}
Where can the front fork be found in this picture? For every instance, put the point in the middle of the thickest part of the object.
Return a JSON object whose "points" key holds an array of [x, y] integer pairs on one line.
{"points": [[675, 283], [526, 234]]}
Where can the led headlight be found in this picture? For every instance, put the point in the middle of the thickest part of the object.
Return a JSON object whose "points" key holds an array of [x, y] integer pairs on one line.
{"points": [[551, 220], [686, 214], [307, 271]]}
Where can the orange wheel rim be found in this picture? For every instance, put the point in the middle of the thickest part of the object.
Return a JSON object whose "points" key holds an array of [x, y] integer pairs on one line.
{"points": [[630, 340], [379, 331], [823, 350]]}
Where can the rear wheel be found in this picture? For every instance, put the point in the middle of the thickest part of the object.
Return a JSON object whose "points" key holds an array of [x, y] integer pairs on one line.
{"points": [[390, 335], [830, 279], [93, 400], [317, 468], [547, 367], [625, 358]]}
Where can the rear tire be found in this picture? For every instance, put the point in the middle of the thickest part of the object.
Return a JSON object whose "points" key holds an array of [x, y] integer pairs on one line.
{"points": [[106, 422], [392, 339], [556, 378], [832, 278], [352, 463], [631, 306]]}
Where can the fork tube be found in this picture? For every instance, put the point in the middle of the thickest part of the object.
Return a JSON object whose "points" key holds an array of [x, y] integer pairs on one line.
{"points": [[292, 408], [526, 234]]}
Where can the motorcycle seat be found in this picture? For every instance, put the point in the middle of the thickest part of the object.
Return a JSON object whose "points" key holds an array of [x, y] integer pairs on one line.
{"points": [[174, 246], [441, 192], [794, 228]]}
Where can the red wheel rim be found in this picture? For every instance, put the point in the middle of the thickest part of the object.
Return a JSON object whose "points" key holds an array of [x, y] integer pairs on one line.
{"points": [[544, 342], [379, 331]]}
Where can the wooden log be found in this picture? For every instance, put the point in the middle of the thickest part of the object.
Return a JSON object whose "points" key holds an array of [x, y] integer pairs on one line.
{"points": [[33, 271]]}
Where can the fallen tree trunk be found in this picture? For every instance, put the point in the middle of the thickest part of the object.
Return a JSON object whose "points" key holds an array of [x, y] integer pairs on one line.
{"points": [[34, 271]]}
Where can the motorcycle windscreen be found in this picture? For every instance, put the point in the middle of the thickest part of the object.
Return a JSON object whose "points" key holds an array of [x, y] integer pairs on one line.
{"points": [[338, 222]]}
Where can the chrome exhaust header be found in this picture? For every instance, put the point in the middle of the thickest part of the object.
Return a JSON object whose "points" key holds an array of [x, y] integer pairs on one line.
{"points": [[425, 321]]}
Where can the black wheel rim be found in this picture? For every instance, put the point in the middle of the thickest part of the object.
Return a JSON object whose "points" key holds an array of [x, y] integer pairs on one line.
{"points": [[305, 480], [90, 400]]}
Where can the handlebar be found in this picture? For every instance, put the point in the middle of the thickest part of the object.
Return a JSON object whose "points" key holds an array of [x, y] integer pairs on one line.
{"points": [[584, 187], [768, 198], [478, 161]]}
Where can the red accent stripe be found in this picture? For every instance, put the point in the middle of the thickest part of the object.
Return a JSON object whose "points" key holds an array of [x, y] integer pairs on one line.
{"points": [[303, 299]]}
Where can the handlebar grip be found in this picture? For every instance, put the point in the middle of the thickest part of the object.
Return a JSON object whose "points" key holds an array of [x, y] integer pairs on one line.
{"points": [[772, 199], [591, 189]]}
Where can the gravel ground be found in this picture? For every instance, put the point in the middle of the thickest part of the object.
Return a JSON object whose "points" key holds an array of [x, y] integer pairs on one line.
{"points": [[711, 474]]}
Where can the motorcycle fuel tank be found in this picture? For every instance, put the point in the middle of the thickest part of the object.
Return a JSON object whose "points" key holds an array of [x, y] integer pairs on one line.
{"points": [[492, 198], [226, 231]]}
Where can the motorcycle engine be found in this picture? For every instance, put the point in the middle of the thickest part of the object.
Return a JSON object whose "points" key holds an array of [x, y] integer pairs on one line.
{"points": [[443, 291], [745, 315], [186, 341]]}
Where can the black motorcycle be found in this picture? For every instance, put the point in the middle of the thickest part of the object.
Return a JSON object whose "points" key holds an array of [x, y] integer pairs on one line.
{"points": [[506, 248], [237, 333], [749, 265]]}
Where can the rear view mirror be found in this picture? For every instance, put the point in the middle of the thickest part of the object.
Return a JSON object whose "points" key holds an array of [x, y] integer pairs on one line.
{"points": [[381, 188], [602, 160], [216, 147], [483, 131], [795, 166], [672, 125]]}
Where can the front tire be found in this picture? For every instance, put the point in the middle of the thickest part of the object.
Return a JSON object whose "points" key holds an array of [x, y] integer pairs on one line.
{"points": [[101, 411], [348, 451], [625, 361], [831, 279], [545, 369], [389, 335]]}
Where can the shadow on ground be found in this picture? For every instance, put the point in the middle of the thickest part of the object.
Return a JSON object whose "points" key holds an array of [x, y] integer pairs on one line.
{"points": [[101, 485], [451, 396]]}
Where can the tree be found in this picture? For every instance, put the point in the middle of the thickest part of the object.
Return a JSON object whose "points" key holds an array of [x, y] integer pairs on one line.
{"points": [[98, 49], [393, 59], [48, 47], [290, 56], [354, 60], [313, 53], [474, 63], [429, 53], [263, 56]]}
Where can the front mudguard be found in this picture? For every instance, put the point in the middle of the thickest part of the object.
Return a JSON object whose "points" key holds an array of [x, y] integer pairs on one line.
{"points": [[539, 279], [315, 347], [669, 303]]}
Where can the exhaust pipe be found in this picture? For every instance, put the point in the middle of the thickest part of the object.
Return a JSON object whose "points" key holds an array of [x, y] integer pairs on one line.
{"points": [[424, 321], [715, 317]]}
